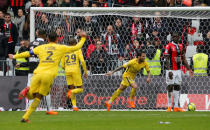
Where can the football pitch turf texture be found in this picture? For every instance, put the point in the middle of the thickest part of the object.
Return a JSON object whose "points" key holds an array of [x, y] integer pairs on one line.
{"points": [[103, 120]]}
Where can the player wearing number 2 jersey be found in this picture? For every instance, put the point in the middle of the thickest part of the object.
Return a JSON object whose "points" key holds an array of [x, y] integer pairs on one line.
{"points": [[71, 63], [49, 57]]}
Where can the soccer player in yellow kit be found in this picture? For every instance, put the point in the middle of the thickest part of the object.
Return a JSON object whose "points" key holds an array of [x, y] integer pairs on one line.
{"points": [[133, 67], [71, 63], [49, 55]]}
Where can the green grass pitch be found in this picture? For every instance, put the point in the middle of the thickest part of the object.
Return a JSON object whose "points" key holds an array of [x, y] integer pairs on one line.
{"points": [[103, 120]]}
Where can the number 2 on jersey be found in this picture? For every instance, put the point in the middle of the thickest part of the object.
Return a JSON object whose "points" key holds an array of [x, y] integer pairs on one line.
{"points": [[73, 58], [49, 56]]}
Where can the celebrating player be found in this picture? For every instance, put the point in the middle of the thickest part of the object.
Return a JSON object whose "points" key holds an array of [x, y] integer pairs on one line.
{"points": [[49, 57], [33, 63], [174, 59], [133, 67], [71, 63]]}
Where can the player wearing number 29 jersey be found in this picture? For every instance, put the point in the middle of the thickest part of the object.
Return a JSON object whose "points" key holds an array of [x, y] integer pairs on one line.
{"points": [[71, 63]]}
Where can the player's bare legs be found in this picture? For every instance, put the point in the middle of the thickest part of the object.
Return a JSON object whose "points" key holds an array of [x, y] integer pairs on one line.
{"points": [[176, 93], [169, 95], [72, 95], [49, 110], [132, 95], [32, 108], [114, 96]]}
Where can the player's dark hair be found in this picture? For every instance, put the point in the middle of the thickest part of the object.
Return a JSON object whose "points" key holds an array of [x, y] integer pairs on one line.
{"points": [[41, 32], [72, 41], [7, 14], [52, 37], [139, 52]]}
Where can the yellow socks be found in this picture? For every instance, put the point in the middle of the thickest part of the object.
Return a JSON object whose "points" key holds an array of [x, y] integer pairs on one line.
{"points": [[115, 95], [30, 96], [32, 108], [73, 95], [133, 91]]}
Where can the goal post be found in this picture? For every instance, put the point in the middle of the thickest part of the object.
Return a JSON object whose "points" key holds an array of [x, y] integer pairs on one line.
{"points": [[125, 10], [139, 28]]}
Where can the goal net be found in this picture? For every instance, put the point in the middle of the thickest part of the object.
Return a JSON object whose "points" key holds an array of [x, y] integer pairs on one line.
{"points": [[113, 36]]}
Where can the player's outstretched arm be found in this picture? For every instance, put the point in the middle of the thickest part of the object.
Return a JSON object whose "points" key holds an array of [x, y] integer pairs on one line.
{"points": [[81, 58], [21, 55], [148, 77], [80, 44], [112, 72]]}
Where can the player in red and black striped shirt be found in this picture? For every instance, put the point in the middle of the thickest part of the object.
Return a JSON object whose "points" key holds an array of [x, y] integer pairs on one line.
{"points": [[175, 57]]}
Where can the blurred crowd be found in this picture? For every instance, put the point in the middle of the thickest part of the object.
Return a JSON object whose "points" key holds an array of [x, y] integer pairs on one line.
{"points": [[111, 39]]}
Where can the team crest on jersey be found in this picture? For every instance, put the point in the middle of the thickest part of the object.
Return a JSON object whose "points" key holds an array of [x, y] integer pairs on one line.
{"points": [[126, 63], [36, 43]]}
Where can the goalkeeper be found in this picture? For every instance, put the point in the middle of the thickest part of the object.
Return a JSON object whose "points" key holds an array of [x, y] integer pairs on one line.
{"points": [[71, 63], [133, 67], [49, 55]]}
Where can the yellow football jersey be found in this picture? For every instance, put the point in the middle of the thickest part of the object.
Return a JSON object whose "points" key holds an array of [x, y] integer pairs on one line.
{"points": [[71, 62], [133, 67], [50, 55]]}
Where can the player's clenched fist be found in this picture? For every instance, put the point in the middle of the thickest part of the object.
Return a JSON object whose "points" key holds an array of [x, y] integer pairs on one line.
{"points": [[83, 34], [109, 73]]}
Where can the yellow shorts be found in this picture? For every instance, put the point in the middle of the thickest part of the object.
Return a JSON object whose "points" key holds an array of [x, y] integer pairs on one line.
{"points": [[127, 81], [74, 79], [41, 83]]}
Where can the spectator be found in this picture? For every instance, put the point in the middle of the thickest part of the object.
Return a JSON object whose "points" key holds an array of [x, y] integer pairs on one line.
{"points": [[153, 57], [169, 3], [68, 25], [4, 4], [98, 59], [60, 34], [1, 19], [163, 3], [91, 29], [51, 3], [3, 52], [30, 3], [22, 64], [38, 3], [17, 4], [113, 45], [19, 21], [44, 23], [11, 32], [102, 3], [112, 42], [68, 3], [94, 4], [159, 29], [205, 30], [77, 34], [200, 62], [138, 29], [78, 3], [92, 47], [26, 28], [131, 49], [85, 3], [144, 3], [121, 30], [178, 3], [207, 2]]}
